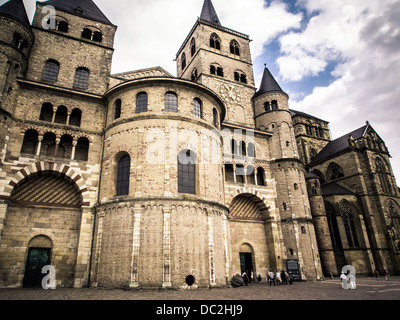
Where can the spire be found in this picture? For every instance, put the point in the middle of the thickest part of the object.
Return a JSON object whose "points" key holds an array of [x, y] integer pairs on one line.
{"points": [[268, 83], [208, 13], [85, 8], [15, 9]]}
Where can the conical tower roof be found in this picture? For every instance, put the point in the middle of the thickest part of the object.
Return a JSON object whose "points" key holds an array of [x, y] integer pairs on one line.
{"points": [[15, 9], [268, 83], [208, 13], [85, 8]]}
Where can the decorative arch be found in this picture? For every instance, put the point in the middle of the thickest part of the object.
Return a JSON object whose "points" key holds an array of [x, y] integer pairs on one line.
{"points": [[248, 206], [64, 170]]}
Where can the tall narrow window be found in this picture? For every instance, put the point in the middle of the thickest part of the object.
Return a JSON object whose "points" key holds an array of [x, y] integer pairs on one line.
{"points": [[193, 47], [123, 175], [220, 72], [267, 106], [260, 176], [171, 102], [333, 225], [251, 152], [215, 117], [183, 61], [197, 108], [383, 176], [348, 222], [215, 41], [234, 48], [51, 70], [274, 105], [87, 34], [117, 109], [229, 175], [141, 102], [213, 70], [187, 172], [81, 78]]}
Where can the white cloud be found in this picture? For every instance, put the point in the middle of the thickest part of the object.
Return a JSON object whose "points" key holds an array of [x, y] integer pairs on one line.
{"points": [[366, 85]]}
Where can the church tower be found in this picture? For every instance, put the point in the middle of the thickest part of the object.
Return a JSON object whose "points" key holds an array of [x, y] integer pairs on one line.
{"points": [[220, 59], [15, 45], [272, 114]]}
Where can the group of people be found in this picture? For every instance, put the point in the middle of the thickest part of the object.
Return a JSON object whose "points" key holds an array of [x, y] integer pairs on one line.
{"points": [[278, 278]]}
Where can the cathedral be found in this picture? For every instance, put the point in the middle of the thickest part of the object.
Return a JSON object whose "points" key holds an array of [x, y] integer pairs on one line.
{"points": [[146, 180]]}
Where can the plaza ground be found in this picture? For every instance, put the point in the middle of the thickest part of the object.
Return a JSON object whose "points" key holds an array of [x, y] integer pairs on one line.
{"points": [[368, 288]]}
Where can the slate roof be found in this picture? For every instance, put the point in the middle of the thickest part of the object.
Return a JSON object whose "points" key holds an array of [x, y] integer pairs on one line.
{"points": [[268, 83], [333, 188], [294, 113], [339, 144], [208, 13], [16, 9], [88, 7]]}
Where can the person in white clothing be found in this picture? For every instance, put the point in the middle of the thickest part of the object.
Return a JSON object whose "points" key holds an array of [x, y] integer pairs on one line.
{"points": [[344, 281]]}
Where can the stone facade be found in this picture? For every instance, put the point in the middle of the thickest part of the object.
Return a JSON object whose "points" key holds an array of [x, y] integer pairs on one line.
{"points": [[142, 179]]}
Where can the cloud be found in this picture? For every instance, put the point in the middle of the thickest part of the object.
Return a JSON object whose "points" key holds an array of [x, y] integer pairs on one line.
{"points": [[366, 51]]}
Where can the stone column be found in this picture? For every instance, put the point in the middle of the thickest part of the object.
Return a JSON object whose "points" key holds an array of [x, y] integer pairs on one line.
{"points": [[74, 143], [167, 248], [211, 257], [39, 146], [135, 248], [84, 247]]}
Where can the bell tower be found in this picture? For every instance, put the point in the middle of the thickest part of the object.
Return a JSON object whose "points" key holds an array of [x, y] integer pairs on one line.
{"points": [[220, 59]]}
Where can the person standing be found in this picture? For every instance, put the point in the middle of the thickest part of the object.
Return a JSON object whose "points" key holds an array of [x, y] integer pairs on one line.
{"points": [[386, 275], [376, 273], [278, 278], [343, 278], [245, 278], [271, 277], [283, 276]]}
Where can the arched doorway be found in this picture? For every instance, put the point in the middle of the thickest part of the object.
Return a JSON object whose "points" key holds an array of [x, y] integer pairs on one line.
{"points": [[39, 255], [251, 235]]}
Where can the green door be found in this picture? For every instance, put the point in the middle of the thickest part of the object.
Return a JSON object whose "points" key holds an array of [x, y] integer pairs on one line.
{"points": [[37, 259]]}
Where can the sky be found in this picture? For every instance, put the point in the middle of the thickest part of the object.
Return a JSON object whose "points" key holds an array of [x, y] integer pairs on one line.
{"points": [[337, 60]]}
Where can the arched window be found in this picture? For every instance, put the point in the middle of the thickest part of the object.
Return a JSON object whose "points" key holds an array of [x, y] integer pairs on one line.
{"points": [[61, 115], [62, 26], [267, 106], [75, 117], [394, 218], [81, 78], [64, 149], [48, 145], [303, 229], [194, 75], [117, 109], [123, 175], [82, 149], [346, 210], [234, 47], [87, 34], [220, 72], [193, 47], [187, 160], [51, 70], [30, 142], [141, 102], [197, 105], [213, 70], [243, 78], [183, 61], [383, 176], [334, 171], [46, 113], [333, 225], [215, 41], [260, 176], [171, 102], [284, 206], [215, 117], [97, 36], [274, 105]]}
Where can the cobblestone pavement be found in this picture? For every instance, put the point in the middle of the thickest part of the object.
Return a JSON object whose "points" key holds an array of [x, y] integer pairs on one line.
{"points": [[368, 288]]}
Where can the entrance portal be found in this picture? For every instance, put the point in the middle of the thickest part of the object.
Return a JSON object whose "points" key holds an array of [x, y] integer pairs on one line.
{"points": [[37, 259], [246, 262]]}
